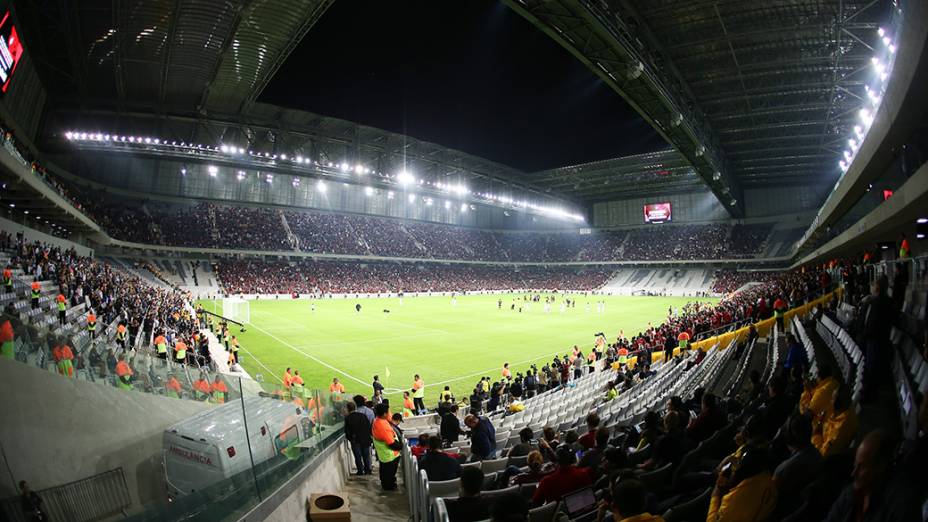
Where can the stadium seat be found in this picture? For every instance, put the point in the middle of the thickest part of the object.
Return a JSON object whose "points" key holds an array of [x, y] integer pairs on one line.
{"points": [[492, 466], [544, 513]]}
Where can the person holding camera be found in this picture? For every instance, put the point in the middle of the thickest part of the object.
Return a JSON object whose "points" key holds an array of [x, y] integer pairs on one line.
{"points": [[744, 489]]}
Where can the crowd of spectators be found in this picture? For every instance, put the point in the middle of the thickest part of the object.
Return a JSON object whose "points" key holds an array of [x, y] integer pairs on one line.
{"points": [[791, 446], [332, 277], [210, 225], [727, 281], [110, 293]]}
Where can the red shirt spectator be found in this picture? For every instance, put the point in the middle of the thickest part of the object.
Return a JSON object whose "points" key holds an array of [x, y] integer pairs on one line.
{"points": [[563, 480]]}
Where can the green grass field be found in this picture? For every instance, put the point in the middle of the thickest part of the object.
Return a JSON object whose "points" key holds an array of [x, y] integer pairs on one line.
{"points": [[446, 344]]}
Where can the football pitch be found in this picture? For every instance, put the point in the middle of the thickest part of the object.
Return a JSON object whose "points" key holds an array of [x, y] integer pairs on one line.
{"points": [[447, 344]]}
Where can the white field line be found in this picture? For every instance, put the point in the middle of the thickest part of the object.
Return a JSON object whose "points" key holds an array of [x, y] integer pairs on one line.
{"points": [[255, 359], [314, 358], [391, 391]]}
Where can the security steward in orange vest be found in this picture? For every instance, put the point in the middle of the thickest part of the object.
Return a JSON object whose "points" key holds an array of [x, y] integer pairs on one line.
{"points": [[36, 292], [92, 324], [8, 279]]}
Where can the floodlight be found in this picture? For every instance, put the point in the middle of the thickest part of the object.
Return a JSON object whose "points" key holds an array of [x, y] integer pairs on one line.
{"points": [[405, 178]]}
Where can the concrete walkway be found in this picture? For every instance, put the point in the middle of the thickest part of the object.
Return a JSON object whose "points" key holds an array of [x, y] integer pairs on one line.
{"points": [[369, 503]]}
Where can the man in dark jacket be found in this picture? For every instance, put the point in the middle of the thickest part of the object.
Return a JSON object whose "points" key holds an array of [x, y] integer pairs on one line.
{"points": [[469, 506], [877, 314], [482, 437], [439, 465], [450, 425], [358, 433]]}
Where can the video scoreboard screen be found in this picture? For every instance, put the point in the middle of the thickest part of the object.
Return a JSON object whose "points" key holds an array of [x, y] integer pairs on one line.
{"points": [[657, 212], [11, 50]]}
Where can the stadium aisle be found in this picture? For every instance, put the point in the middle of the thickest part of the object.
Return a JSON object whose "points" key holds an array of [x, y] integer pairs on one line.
{"points": [[369, 503]]}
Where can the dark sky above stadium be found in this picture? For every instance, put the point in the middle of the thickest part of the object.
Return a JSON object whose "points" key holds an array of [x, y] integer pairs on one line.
{"points": [[471, 75]]}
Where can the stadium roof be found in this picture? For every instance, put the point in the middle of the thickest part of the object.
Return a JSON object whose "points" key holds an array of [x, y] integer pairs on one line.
{"points": [[641, 175], [183, 54], [761, 92], [748, 94]]}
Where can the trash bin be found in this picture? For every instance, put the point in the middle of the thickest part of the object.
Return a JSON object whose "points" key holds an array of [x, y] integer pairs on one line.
{"points": [[329, 507]]}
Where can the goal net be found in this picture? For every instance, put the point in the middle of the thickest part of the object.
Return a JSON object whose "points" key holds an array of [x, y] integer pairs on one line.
{"points": [[236, 309]]}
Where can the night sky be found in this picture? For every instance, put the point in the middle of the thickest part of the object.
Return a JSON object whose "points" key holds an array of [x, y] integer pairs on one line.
{"points": [[471, 75]]}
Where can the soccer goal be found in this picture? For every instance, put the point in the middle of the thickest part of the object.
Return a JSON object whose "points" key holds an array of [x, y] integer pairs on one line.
{"points": [[236, 309]]}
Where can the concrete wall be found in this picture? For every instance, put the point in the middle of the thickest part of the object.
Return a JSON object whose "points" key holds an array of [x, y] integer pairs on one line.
{"points": [[326, 476], [56, 430], [32, 234]]}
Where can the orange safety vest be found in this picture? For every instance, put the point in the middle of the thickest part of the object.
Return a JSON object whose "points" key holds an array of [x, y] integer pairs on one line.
{"points": [[173, 384], [202, 386], [36, 286], [91, 319], [122, 369], [288, 379], [60, 298], [336, 388], [6, 340]]}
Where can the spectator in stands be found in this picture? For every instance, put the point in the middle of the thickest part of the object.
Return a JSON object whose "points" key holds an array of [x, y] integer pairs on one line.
{"points": [[836, 429], [524, 447], [744, 490], [482, 437], [510, 508], [803, 463], [548, 443], [358, 434], [820, 399], [627, 502], [588, 440], [652, 429], [878, 315], [710, 419], [469, 506], [566, 478], [437, 464], [361, 403], [422, 446], [676, 404], [669, 447], [593, 457], [536, 470], [450, 428], [796, 354], [776, 407], [870, 495]]}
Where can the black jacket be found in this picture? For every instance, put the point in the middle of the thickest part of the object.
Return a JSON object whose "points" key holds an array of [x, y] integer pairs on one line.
{"points": [[450, 428], [440, 466], [358, 429]]}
